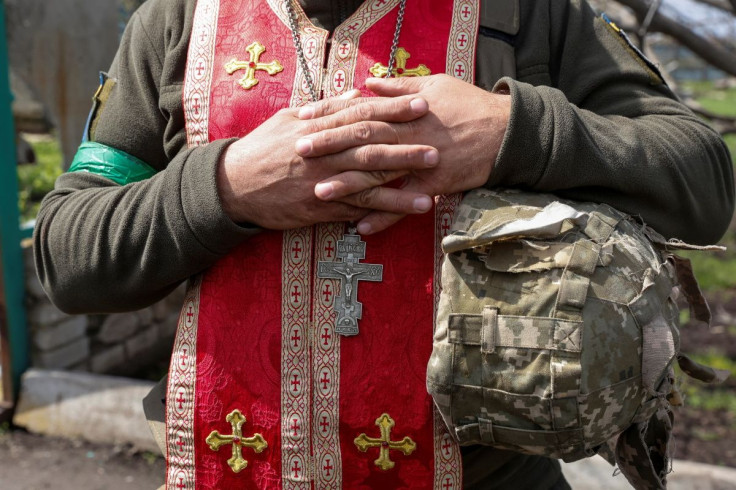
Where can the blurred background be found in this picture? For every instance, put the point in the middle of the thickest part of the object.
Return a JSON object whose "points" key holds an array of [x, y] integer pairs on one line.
{"points": [[50, 54]]}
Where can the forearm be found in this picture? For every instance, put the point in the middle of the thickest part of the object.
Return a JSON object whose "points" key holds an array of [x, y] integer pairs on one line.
{"points": [[654, 159], [101, 247]]}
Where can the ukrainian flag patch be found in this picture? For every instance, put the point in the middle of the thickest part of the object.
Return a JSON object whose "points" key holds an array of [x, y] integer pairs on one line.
{"points": [[640, 57]]}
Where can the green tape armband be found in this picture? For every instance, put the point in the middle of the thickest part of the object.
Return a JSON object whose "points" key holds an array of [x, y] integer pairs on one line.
{"points": [[111, 163]]}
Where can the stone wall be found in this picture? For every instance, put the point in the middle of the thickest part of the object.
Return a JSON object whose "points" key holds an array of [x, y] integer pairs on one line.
{"points": [[119, 343]]}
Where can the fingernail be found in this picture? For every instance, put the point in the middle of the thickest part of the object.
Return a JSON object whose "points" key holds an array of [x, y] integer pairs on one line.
{"points": [[306, 112], [350, 94], [419, 106], [432, 157], [422, 204], [303, 147], [324, 190], [364, 228]]}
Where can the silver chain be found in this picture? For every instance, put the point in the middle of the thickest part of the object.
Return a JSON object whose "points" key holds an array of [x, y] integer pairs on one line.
{"points": [[294, 27], [395, 44]]}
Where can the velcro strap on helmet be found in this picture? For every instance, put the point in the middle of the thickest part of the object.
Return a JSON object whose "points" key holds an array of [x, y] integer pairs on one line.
{"points": [[700, 372], [575, 279], [699, 308], [600, 226], [569, 442], [514, 331]]}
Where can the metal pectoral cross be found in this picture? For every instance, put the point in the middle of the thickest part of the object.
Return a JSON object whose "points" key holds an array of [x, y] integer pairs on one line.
{"points": [[351, 249]]}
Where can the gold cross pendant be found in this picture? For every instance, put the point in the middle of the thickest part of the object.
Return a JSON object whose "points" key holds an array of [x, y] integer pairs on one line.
{"points": [[215, 441], [249, 81], [402, 56], [385, 444]]}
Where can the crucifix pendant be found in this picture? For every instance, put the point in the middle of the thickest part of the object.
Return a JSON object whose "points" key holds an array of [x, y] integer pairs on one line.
{"points": [[351, 249]]}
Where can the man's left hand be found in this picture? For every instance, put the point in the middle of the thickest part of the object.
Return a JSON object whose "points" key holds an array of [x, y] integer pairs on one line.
{"points": [[465, 124]]}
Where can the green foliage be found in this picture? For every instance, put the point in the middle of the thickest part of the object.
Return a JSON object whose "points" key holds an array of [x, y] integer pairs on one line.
{"points": [[718, 101], [718, 360], [716, 271], [713, 273], [730, 140], [711, 397], [710, 400], [35, 181], [150, 457]]}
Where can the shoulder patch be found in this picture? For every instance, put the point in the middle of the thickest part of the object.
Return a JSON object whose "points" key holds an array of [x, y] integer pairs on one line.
{"points": [[654, 74], [98, 102]]}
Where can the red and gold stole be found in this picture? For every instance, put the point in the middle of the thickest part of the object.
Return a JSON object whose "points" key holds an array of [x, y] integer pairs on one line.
{"points": [[263, 392]]}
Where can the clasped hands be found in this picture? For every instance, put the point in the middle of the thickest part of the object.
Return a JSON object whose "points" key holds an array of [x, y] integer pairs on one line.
{"points": [[331, 160]]}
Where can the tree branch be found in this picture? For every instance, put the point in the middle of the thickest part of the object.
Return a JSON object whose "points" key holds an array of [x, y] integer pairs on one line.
{"points": [[729, 6], [711, 52]]}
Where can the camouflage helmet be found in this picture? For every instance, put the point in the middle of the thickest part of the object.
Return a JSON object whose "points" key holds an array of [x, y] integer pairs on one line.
{"points": [[556, 332]]}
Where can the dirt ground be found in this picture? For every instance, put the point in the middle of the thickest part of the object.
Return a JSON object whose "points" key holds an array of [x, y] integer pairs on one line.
{"points": [[709, 436], [31, 462]]}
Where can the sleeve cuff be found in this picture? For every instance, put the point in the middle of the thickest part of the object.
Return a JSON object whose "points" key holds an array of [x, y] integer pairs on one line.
{"points": [[201, 203], [524, 151]]}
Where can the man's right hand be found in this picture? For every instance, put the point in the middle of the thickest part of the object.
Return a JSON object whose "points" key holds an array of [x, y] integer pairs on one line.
{"points": [[262, 180]]}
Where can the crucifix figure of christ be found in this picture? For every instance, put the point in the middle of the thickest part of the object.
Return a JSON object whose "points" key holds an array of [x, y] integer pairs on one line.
{"points": [[351, 249]]}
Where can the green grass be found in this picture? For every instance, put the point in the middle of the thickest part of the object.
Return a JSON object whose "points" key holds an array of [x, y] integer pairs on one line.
{"points": [[35, 181], [150, 457], [716, 272], [713, 273], [730, 140], [717, 360], [710, 397], [719, 101]]}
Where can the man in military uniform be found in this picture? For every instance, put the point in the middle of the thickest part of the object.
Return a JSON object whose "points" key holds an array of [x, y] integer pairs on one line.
{"points": [[561, 102]]}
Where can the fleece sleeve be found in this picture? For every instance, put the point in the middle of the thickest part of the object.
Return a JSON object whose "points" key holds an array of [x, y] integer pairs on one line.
{"points": [[600, 125], [103, 247]]}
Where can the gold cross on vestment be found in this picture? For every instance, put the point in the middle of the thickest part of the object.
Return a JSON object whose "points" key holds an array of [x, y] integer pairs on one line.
{"points": [[402, 56], [215, 441], [249, 81], [385, 444]]}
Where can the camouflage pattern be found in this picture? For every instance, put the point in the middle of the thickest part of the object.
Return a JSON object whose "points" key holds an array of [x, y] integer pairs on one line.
{"points": [[557, 329]]}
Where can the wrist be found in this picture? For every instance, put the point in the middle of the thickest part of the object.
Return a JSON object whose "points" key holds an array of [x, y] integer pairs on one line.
{"points": [[229, 181], [499, 113]]}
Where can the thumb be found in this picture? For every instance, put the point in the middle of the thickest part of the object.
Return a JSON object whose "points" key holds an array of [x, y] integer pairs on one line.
{"points": [[392, 87]]}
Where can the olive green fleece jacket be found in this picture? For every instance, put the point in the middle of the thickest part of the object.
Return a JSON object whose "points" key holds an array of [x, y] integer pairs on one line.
{"points": [[589, 121]]}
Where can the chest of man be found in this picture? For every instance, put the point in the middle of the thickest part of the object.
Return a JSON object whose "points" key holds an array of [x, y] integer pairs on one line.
{"points": [[300, 358]]}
